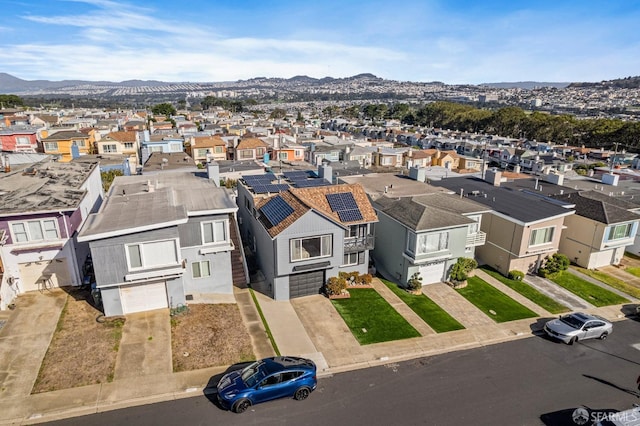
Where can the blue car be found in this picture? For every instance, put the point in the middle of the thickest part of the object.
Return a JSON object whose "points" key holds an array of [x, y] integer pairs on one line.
{"points": [[267, 379]]}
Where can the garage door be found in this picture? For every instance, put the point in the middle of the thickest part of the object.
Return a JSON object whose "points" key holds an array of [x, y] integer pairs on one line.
{"points": [[432, 273], [44, 274], [143, 297], [305, 284]]}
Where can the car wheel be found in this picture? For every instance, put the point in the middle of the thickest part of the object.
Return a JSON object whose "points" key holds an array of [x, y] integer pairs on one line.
{"points": [[573, 340], [241, 406], [301, 394], [603, 336]]}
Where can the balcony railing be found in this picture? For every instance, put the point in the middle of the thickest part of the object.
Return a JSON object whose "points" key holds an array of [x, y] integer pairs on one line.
{"points": [[352, 244], [477, 239]]}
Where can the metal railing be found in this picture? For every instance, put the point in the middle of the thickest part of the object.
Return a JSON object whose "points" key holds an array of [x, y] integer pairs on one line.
{"points": [[477, 239], [352, 244]]}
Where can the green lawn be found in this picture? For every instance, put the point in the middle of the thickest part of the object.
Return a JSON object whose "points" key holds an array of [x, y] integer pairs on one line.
{"points": [[592, 293], [633, 271], [437, 318], [497, 305], [613, 282], [371, 319], [527, 291]]}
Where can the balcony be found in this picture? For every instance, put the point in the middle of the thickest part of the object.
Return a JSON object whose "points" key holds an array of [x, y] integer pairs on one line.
{"points": [[352, 244], [477, 239]]}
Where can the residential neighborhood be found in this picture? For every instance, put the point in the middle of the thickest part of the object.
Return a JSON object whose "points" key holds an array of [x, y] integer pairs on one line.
{"points": [[294, 226]]}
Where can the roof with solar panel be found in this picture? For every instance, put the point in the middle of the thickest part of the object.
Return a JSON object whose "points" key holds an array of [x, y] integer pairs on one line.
{"points": [[269, 183], [345, 204]]}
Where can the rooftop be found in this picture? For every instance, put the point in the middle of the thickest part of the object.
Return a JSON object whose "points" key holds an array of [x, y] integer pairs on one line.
{"points": [[43, 187], [139, 203]]}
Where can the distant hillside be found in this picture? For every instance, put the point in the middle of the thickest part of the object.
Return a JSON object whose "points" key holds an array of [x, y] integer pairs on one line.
{"points": [[11, 84], [529, 85], [619, 83]]}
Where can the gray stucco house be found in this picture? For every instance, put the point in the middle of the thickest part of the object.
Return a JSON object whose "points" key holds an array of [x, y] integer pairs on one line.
{"points": [[301, 236], [162, 241]]}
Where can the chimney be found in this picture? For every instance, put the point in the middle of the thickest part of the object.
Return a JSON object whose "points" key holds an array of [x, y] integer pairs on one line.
{"points": [[213, 172], [493, 176], [325, 171]]}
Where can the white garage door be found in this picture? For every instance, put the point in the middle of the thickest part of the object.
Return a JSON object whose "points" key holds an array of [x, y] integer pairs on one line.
{"points": [[143, 297], [432, 273], [44, 274]]}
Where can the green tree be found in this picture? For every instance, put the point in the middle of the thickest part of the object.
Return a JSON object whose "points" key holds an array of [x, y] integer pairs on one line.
{"points": [[10, 101], [278, 113], [108, 177], [165, 109]]}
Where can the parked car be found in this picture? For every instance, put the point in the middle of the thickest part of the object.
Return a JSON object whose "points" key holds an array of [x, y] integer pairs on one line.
{"points": [[578, 326], [267, 379]]}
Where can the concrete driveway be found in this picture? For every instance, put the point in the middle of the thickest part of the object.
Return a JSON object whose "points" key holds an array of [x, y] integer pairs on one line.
{"points": [[145, 348], [25, 338]]}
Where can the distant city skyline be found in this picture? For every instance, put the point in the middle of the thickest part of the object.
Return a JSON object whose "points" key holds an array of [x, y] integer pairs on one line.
{"points": [[456, 42]]}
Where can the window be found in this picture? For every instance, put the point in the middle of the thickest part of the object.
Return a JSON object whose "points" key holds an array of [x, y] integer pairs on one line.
{"points": [[175, 147], [201, 269], [152, 254], [260, 151], [80, 142], [541, 236], [109, 148], [356, 231], [428, 243], [618, 232], [218, 150], [202, 152], [35, 230], [245, 153], [51, 146], [155, 148], [298, 153], [128, 145], [22, 140], [283, 156], [353, 259], [309, 248], [214, 232]]}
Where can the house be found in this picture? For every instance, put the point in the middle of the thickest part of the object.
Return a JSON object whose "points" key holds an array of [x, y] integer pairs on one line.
{"points": [[123, 143], [421, 228], [204, 148], [600, 230], [159, 143], [250, 149], [19, 139], [162, 242], [521, 229], [417, 158], [288, 152], [316, 154], [42, 208], [302, 236], [363, 155], [66, 144]]}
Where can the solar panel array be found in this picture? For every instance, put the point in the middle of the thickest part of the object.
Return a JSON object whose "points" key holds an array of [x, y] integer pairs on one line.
{"points": [[263, 179], [296, 175], [310, 183], [270, 187], [345, 205], [276, 210]]}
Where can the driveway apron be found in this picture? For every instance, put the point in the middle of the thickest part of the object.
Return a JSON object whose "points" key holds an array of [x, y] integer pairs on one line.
{"points": [[558, 293], [25, 338], [145, 348]]}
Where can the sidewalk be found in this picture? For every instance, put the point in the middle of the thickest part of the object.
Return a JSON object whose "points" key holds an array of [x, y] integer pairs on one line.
{"points": [[308, 326]]}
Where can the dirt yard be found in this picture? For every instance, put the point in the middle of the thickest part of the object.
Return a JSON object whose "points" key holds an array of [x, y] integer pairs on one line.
{"points": [[209, 335], [82, 351]]}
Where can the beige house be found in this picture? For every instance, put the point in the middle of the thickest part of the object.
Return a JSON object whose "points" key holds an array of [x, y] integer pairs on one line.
{"points": [[522, 229], [207, 147], [125, 143], [598, 234]]}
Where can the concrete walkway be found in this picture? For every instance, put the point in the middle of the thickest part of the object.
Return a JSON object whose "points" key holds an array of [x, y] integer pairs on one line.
{"points": [[557, 293], [621, 274], [145, 347], [601, 284], [25, 338], [456, 305], [259, 339]]}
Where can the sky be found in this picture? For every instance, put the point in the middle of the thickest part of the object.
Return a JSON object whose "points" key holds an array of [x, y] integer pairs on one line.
{"points": [[452, 41]]}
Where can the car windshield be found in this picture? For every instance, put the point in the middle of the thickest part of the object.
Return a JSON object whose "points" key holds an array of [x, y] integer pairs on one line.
{"points": [[250, 375], [572, 321]]}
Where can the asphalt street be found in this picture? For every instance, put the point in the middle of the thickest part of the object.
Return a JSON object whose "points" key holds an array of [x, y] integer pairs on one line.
{"points": [[532, 381]]}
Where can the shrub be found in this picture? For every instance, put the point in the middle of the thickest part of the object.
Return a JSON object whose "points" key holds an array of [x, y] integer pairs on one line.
{"points": [[336, 286], [354, 278], [552, 265], [460, 270], [415, 282], [366, 279], [516, 275]]}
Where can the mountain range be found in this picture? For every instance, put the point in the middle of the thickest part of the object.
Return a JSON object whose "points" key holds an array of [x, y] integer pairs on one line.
{"points": [[10, 84]]}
